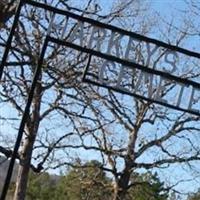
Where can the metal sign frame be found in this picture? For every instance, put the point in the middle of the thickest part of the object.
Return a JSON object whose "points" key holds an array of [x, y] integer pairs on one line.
{"points": [[91, 52]]}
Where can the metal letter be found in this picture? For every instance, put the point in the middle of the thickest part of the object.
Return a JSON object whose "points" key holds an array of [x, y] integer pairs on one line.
{"points": [[131, 46], [172, 63], [77, 33], [114, 42], [102, 70], [180, 94], [150, 52], [192, 99], [159, 91], [98, 38]]}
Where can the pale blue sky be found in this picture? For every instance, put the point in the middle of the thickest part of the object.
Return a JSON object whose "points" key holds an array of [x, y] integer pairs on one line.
{"points": [[168, 9]]}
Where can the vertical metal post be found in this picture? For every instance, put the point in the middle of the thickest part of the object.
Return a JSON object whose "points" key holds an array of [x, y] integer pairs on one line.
{"points": [[23, 121], [29, 101], [10, 37]]}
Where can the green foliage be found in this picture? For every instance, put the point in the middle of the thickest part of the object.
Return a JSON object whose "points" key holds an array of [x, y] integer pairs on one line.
{"points": [[195, 196], [89, 182], [86, 182], [149, 187], [41, 187]]}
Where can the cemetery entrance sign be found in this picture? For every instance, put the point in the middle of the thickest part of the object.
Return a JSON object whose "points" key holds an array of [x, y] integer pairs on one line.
{"points": [[130, 63], [120, 60], [133, 64]]}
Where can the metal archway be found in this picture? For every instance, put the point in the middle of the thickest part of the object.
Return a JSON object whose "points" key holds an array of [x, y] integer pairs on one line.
{"points": [[91, 52]]}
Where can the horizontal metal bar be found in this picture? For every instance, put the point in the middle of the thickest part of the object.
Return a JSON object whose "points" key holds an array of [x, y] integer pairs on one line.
{"points": [[114, 28], [142, 97], [124, 62]]}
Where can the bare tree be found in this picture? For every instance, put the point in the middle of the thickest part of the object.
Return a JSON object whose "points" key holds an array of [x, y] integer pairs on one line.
{"points": [[125, 133], [56, 92], [7, 10]]}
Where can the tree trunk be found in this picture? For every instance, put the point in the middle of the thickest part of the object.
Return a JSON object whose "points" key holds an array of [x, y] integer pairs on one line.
{"points": [[119, 195], [27, 148], [23, 170], [120, 190]]}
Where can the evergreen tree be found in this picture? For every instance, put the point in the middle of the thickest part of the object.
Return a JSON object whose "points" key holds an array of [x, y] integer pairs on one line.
{"points": [[85, 182], [41, 187], [89, 182], [195, 196], [147, 187]]}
